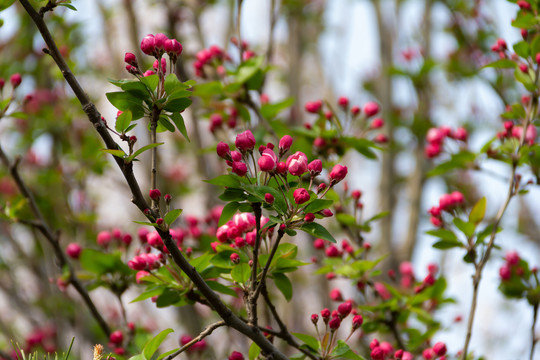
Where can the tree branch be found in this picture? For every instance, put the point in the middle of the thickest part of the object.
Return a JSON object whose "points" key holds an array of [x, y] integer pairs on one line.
{"points": [[206, 332]]}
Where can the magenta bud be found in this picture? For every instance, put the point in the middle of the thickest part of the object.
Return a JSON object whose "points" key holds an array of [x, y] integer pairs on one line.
{"points": [[130, 58], [148, 44], [310, 217], [73, 250], [269, 198], [154, 194], [15, 80]]}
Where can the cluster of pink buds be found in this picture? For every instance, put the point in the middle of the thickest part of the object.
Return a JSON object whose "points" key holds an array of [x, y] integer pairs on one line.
{"points": [[199, 346], [500, 47], [447, 203], [333, 320], [429, 280], [435, 139], [43, 337], [213, 57], [156, 46], [146, 261], [511, 266], [235, 355], [438, 351], [115, 342], [385, 351], [515, 131], [218, 119], [116, 236], [333, 250], [239, 231]]}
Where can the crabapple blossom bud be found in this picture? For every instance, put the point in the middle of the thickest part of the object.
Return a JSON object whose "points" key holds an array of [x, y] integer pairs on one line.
{"points": [[337, 174], [133, 139], [398, 354], [235, 355], [314, 319], [429, 280], [537, 58], [321, 188], [334, 323], [159, 40], [235, 258], [269, 198], [439, 349], [377, 353], [104, 238], [297, 163], [315, 167], [245, 141], [281, 168], [148, 73], [432, 150], [407, 356], [325, 313], [524, 5], [357, 321], [343, 101], [73, 250], [313, 106], [154, 194], [318, 244], [159, 221], [332, 251], [15, 80], [236, 156], [328, 115], [460, 134], [264, 99], [116, 337], [355, 110], [335, 295], [512, 258], [345, 309], [436, 221], [2, 83], [386, 347], [356, 194], [326, 212], [172, 47], [239, 168], [428, 354], [163, 65], [523, 68], [434, 136], [309, 217], [381, 139], [130, 58], [167, 198], [268, 161], [374, 344], [285, 144], [148, 44], [270, 146], [371, 108], [262, 148], [301, 196], [127, 239], [382, 291], [377, 123]]}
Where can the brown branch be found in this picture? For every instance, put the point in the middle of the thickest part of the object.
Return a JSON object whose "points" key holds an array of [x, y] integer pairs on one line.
{"points": [[534, 339], [206, 332], [262, 280], [53, 239]]}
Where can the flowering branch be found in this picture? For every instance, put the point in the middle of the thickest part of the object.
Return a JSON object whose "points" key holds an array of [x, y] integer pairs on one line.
{"points": [[53, 239]]}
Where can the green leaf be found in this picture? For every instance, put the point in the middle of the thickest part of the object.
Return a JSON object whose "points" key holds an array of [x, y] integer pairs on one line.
{"points": [[318, 205], [151, 292], [363, 146], [143, 149], [280, 205], [214, 285], [137, 89], [125, 101], [525, 79], [165, 123], [522, 49], [248, 69], [447, 244], [443, 234], [5, 4], [318, 231], [270, 111], [178, 121], [177, 105], [525, 20], [172, 84], [167, 353], [100, 263], [151, 346], [116, 152], [171, 216], [309, 340], [254, 351], [284, 285], [241, 273], [466, 228], [346, 219], [123, 121], [228, 212], [69, 6], [231, 181], [233, 195], [461, 160], [152, 83], [343, 351], [478, 211]]}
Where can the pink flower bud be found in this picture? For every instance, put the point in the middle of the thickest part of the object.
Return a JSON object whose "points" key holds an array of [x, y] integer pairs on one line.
{"points": [[381, 139], [315, 167], [382, 291], [236, 156], [148, 73], [355, 110], [356, 194], [245, 141], [309, 217], [268, 161], [524, 5], [159, 221], [337, 174], [432, 150], [148, 44], [301, 196], [326, 212], [377, 123], [163, 65], [319, 244], [371, 108], [386, 347], [116, 337], [281, 168], [377, 354], [130, 58], [357, 321], [321, 188], [398, 354], [172, 47], [428, 354], [297, 163], [223, 150], [15, 80], [104, 238], [334, 323], [406, 269], [140, 274], [239, 168], [332, 251], [439, 349], [344, 309], [325, 313], [314, 318], [343, 101], [313, 106], [235, 258], [235, 355], [512, 258], [460, 134], [2, 83], [523, 68], [435, 136], [154, 194], [335, 295], [269, 198], [285, 144], [159, 40], [73, 250]]}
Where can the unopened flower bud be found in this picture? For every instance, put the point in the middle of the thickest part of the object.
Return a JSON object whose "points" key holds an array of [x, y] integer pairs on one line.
{"points": [[154, 194], [309, 217], [15, 80], [269, 198]]}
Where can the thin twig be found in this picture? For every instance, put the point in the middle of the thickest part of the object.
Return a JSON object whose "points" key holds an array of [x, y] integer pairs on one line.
{"points": [[262, 280], [533, 334], [153, 140], [206, 332], [53, 239], [252, 302]]}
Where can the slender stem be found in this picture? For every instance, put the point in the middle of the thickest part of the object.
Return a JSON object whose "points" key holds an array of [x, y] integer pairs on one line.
{"points": [[252, 301], [206, 332], [533, 335], [262, 280], [53, 239], [153, 140], [238, 23]]}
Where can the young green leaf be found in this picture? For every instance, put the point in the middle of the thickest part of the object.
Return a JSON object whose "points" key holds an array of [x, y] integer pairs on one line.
{"points": [[284, 285], [171, 216], [228, 212], [318, 231], [241, 273], [478, 211], [152, 345], [123, 121], [141, 150], [178, 120]]}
